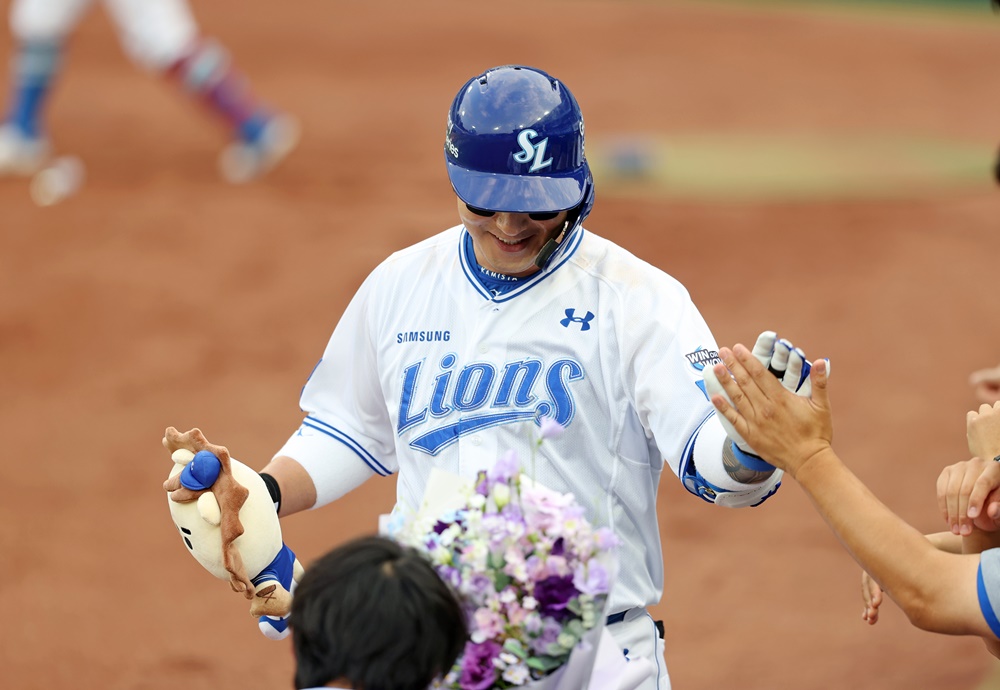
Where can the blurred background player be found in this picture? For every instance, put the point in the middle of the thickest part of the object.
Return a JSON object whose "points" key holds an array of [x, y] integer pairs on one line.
{"points": [[162, 37]]}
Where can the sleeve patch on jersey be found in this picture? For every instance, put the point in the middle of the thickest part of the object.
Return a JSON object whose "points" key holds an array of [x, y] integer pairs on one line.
{"points": [[701, 358], [698, 360]]}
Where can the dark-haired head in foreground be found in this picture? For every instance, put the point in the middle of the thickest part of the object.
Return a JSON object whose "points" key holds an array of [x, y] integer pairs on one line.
{"points": [[374, 615]]}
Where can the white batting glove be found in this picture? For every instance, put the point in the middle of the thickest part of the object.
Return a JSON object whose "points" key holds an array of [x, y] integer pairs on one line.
{"points": [[787, 362]]}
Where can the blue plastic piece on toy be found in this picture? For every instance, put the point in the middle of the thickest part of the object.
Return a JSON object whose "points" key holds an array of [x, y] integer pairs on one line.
{"points": [[201, 472], [273, 628]]}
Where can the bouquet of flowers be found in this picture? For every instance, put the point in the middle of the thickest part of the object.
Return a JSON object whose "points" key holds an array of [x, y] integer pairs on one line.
{"points": [[533, 572]]}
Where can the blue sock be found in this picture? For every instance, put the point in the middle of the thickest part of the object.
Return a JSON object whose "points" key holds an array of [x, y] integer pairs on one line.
{"points": [[35, 66], [253, 127]]}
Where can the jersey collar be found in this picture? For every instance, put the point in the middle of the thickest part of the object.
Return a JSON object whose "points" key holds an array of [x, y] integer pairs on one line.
{"points": [[470, 267]]}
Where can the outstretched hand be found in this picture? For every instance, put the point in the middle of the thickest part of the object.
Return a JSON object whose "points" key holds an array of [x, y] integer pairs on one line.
{"points": [[986, 384], [784, 428], [982, 430], [968, 492], [968, 496]]}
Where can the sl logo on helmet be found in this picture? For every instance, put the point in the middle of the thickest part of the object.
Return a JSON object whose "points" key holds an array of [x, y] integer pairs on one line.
{"points": [[532, 152]]}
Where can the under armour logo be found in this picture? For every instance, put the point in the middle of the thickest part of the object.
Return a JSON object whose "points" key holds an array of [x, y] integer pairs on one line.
{"points": [[571, 317], [532, 152]]}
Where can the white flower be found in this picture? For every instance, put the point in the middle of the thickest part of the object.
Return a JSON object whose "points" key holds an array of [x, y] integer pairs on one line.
{"points": [[501, 494], [516, 675], [529, 603], [508, 658], [441, 556]]}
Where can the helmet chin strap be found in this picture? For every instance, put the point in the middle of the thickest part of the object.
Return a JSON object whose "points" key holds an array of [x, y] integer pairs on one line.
{"points": [[551, 246]]}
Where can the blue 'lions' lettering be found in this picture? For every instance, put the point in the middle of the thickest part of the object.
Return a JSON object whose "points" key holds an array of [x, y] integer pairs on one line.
{"points": [[509, 391], [423, 336]]}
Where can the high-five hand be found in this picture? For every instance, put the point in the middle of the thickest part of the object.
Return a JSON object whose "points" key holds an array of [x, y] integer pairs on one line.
{"points": [[784, 428]]}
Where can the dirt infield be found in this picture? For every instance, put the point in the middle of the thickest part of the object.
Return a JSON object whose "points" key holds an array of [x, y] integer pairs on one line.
{"points": [[161, 296]]}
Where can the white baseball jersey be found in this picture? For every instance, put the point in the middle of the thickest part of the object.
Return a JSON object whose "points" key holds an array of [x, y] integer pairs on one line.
{"points": [[427, 368]]}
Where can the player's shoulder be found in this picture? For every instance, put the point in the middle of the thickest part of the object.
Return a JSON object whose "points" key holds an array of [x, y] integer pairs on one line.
{"points": [[431, 252], [619, 267], [429, 248]]}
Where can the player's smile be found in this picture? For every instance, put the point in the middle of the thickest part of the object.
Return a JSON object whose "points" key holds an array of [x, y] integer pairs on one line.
{"points": [[508, 243]]}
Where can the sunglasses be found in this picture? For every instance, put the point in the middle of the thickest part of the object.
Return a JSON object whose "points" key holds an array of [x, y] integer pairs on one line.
{"points": [[543, 215]]}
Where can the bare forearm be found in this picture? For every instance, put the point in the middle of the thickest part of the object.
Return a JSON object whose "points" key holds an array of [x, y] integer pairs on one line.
{"points": [[918, 577], [980, 541], [298, 492], [945, 541]]}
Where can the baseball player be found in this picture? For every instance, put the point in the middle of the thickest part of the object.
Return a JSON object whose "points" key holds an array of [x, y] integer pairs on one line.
{"points": [[159, 35], [453, 351]]}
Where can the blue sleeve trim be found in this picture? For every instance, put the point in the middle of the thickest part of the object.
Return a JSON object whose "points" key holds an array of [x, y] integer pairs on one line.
{"points": [[339, 435], [984, 602], [751, 461], [688, 453]]}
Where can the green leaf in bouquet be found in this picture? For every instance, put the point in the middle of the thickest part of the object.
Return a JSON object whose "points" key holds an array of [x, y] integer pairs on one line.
{"points": [[545, 664], [503, 580], [515, 647], [575, 606], [575, 628], [495, 561]]}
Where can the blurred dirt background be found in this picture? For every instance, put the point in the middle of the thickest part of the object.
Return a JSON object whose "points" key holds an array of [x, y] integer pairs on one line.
{"points": [[162, 296]]}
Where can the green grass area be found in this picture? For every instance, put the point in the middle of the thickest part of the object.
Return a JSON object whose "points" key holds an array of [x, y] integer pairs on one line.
{"points": [[979, 11], [774, 167]]}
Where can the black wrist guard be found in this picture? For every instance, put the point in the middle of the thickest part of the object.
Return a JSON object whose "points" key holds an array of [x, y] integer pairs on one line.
{"points": [[272, 488]]}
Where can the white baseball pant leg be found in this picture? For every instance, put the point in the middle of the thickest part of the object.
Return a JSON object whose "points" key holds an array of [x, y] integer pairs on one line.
{"points": [[638, 634]]}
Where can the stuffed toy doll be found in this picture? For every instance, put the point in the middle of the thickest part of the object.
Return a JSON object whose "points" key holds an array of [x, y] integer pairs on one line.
{"points": [[227, 521]]}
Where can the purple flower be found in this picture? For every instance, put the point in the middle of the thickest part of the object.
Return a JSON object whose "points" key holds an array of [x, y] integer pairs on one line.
{"points": [[591, 579], [478, 671], [559, 547], [512, 512], [548, 635], [450, 575], [553, 594], [504, 469], [606, 539], [483, 484], [488, 623], [551, 428], [480, 584]]}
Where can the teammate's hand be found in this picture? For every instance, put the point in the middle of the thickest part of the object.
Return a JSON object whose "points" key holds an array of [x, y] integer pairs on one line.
{"points": [[986, 382], [982, 430], [871, 595], [968, 495], [785, 361], [785, 429]]}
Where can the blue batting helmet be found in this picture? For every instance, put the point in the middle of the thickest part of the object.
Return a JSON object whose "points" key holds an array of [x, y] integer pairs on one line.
{"points": [[515, 144]]}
